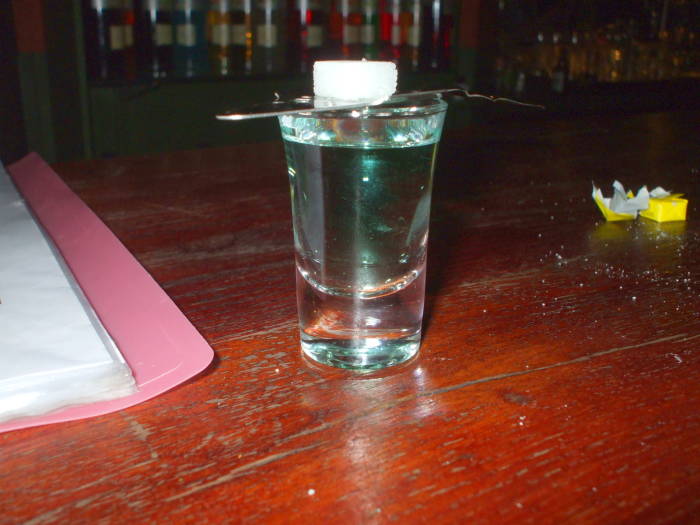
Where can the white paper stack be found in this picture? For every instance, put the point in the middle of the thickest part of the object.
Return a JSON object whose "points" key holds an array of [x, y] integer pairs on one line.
{"points": [[54, 352]]}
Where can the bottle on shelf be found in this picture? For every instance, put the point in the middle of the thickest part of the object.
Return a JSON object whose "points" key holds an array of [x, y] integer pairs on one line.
{"points": [[560, 72], [190, 49], [618, 56], [544, 52], [577, 64], [533, 81], [352, 24], [411, 23], [267, 28], [390, 30], [651, 20], [437, 34], [369, 30], [129, 21], [219, 36], [242, 36], [105, 39], [154, 38], [334, 31], [305, 25]]}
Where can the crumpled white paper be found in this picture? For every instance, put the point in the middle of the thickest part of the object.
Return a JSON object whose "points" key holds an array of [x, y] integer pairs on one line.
{"points": [[54, 352], [659, 193], [621, 202]]}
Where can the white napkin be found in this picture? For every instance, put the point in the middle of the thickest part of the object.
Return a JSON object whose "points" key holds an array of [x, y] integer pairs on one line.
{"points": [[54, 352]]}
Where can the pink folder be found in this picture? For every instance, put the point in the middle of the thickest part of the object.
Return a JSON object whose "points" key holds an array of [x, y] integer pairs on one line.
{"points": [[160, 345]]}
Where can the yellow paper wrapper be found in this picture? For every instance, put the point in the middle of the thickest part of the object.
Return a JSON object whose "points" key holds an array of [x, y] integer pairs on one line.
{"points": [[666, 209]]}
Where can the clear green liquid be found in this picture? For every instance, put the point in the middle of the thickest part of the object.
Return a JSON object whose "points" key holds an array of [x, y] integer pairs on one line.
{"points": [[361, 206]]}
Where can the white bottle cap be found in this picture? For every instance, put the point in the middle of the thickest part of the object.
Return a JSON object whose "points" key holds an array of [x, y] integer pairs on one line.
{"points": [[354, 80]]}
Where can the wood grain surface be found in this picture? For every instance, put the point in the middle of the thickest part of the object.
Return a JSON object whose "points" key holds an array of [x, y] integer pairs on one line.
{"points": [[558, 380]]}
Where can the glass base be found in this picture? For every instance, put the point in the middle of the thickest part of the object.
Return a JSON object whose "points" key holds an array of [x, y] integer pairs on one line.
{"points": [[361, 354]]}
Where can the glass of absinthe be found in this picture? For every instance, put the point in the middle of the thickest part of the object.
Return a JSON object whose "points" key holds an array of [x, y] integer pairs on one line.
{"points": [[361, 182]]}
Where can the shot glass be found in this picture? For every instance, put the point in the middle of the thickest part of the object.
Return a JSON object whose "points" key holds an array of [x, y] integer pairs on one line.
{"points": [[361, 183]]}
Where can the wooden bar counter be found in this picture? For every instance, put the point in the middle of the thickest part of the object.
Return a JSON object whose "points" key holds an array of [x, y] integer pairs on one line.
{"points": [[558, 380]]}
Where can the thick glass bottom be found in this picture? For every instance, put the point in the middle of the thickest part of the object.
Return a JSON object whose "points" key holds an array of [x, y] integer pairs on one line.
{"points": [[369, 353]]}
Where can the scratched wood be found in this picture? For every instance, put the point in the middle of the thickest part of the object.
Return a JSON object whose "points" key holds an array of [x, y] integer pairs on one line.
{"points": [[559, 378]]}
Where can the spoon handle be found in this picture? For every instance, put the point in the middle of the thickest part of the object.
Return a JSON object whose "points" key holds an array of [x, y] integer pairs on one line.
{"points": [[307, 104]]}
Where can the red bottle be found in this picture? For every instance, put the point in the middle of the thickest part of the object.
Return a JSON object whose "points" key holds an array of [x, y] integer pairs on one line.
{"points": [[334, 31], [352, 27], [436, 44], [411, 28], [305, 30], [128, 23], [390, 30]]}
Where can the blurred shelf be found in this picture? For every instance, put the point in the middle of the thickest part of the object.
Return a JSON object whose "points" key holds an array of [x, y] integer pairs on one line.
{"points": [[601, 98]]}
